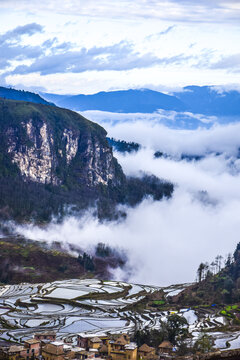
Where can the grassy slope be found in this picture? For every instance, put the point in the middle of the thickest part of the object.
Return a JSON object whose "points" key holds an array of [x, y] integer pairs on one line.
{"points": [[27, 261]]}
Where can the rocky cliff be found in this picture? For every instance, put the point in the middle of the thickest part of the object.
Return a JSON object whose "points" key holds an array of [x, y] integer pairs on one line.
{"points": [[49, 145], [53, 159]]}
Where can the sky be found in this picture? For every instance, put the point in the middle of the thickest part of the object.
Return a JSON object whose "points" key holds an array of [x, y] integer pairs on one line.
{"points": [[86, 46]]}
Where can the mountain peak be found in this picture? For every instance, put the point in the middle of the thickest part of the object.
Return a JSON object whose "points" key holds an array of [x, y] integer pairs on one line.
{"points": [[22, 95]]}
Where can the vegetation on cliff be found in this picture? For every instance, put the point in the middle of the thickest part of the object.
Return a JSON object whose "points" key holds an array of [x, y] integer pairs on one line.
{"points": [[53, 161]]}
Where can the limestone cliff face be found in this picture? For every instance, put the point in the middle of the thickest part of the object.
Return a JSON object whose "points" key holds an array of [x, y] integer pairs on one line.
{"points": [[99, 161], [71, 144], [51, 145], [35, 158]]}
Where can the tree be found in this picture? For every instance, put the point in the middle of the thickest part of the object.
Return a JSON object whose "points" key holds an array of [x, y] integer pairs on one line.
{"points": [[218, 261], [103, 250], [177, 328], [86, 261], [204, 344], [200, 272], [213, 267], [227, 289], [229, 260], [152, 337]]}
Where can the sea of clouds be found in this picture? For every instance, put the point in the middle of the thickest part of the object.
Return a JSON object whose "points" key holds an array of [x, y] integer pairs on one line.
{"points": [[166, 240]]}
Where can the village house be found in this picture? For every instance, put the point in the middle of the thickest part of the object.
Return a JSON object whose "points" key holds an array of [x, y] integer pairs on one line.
{"points": [[84, 354], [32, 347], [131, 351], [53, 351], [15, 352], [46, 335], [146, 352], [95, 343], [88, 341], [165, 348], [121, 348], [29, 351], [103, 350], [117, 347]]}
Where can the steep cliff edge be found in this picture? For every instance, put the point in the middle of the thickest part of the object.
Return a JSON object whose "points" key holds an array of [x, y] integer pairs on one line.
{"points": [[53, 158], [49, 145]]}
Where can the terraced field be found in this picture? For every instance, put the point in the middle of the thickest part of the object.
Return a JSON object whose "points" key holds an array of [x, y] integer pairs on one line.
{"points": [[69, 307], [75, 306]]}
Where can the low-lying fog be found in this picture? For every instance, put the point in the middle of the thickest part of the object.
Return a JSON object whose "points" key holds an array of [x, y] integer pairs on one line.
{"points": [[167, 240]]}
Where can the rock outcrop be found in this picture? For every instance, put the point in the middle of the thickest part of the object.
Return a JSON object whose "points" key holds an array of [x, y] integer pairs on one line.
{"points": [[50, 145], [54, 162]]}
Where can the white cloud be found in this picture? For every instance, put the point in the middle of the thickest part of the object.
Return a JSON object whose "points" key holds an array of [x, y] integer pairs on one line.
{"points": [[149, 130], [160, 32], [217, 175], [165, 241], [175, 10]]}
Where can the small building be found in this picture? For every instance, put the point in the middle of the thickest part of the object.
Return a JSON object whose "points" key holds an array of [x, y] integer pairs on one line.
{"points": [[146, 352], [82, 341], [33, 348], [82, 355], [53, 351], [131, 351], [46, 335], [16, 352], [103, 350], [121, 348], [95, 343], [77, 353], [87, 341], [119, 342], [165, 348]]}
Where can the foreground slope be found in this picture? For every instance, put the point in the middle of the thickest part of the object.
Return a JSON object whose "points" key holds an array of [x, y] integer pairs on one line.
{"points": [[23, 260]]}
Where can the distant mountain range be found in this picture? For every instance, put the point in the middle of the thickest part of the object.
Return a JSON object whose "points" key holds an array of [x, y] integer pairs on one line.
{"points": [[204, 100], [125, 101], [13, 94], [201, 100]]}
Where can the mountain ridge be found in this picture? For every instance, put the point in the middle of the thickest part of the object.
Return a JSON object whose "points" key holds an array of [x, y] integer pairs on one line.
{"points": [[122, 101], [206, 100], [22, 95]]}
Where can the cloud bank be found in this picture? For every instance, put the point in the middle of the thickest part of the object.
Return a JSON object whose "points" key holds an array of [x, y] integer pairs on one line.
{"points": [[175, 10], [168, 131], [165, 241]]}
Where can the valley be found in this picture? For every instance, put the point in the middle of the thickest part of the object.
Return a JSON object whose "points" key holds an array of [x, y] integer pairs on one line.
{"points": [[94, 307]]}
